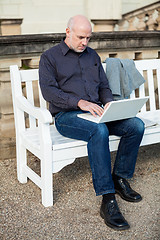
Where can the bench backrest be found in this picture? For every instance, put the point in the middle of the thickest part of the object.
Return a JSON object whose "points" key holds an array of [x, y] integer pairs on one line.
{"points": [[150, 70], [25, 82], [27, 77]]}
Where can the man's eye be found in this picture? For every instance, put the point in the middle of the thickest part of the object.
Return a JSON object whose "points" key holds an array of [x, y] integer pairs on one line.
{"points": [[88, 38]]}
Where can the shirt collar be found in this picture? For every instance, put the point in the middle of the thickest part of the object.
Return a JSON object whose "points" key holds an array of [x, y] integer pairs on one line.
{"points": [[65, 48]]}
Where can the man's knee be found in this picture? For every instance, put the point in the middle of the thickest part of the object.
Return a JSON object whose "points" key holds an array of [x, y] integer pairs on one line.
{"points": [[136, 127], [139, 128], [101, 130]]}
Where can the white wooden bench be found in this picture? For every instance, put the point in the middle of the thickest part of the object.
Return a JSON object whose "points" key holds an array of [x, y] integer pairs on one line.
{"points": [[42, 139]]}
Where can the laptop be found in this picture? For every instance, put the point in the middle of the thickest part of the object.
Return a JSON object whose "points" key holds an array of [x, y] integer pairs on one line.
{"points": [[117, 110]]}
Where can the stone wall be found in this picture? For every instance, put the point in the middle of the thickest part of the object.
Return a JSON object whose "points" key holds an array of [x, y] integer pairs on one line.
{"points": [[25, 51]]}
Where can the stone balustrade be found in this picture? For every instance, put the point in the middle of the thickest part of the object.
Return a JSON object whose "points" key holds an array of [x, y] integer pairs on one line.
{"points": [[25, 51], [143, 19]]}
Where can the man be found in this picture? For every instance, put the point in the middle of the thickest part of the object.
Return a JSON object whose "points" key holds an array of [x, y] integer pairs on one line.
{"points": [[72, 80]]}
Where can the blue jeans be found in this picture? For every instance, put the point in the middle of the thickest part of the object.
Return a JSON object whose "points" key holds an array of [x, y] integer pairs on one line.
{"points": [[97, 135]]}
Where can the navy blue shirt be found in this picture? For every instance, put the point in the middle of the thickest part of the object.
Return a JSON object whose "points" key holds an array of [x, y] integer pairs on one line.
{"points": [[66, 77]]}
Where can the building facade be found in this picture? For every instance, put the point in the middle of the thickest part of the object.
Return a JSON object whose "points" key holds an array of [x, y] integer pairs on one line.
{"points": [[50, 16]]}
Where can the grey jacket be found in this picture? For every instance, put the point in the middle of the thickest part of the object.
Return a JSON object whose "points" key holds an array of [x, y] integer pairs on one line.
{"points": [[123, 77]]}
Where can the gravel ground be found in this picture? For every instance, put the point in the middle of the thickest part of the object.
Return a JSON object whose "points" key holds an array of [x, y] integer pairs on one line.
{"points": [[75, 214]]}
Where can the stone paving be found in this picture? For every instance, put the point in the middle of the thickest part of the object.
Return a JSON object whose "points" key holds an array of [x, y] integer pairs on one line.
{"points": [[75, 214]]}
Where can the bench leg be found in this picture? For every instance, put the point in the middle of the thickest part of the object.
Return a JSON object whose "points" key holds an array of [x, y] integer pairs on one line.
{"points": [[21, 163], [47, 181]]}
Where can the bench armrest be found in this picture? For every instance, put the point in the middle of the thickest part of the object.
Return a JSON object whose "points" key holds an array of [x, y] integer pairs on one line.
{"points": [[42, 114]]}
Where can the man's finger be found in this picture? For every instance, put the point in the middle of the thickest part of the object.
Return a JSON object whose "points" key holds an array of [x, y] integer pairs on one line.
{"points": [[95, 109], [106, 105]]}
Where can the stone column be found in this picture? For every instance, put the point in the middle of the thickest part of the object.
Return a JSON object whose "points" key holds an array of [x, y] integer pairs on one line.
{"points": [[10, 26], [103, 25], [104, 14]]}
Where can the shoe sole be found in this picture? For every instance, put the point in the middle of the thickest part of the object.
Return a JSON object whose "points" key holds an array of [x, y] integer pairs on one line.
{"points": [[128, 200], [112, 226]]}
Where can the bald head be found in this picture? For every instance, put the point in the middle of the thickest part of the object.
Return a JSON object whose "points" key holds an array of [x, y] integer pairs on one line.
{"points": [[79, 21], [78, 33]]}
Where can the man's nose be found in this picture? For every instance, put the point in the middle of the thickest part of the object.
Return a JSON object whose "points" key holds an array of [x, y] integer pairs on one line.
{"points": [[85, 41]]}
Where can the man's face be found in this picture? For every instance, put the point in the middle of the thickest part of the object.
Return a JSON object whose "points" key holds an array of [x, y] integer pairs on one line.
{"points": [[78, 38]]}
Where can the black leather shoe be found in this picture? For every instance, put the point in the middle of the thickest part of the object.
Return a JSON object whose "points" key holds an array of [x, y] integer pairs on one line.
{"points": [[112, 216], [123, 188]]}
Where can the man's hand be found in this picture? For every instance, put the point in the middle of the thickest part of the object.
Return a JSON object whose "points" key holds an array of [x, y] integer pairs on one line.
{"points": [[91, 107]]}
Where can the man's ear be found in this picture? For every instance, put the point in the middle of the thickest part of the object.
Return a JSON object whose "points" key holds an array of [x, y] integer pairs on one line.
{"points": [[68, 32]]}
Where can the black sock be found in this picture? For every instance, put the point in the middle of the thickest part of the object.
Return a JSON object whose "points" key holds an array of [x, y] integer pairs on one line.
{"points": [[108, 197]]}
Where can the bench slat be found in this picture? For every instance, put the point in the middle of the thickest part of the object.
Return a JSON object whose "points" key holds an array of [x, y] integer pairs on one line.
{"points": [[43, 103], [29, 75], [147, 64], [142, 92], [158, 84], [151, 90], [30, 97]]}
